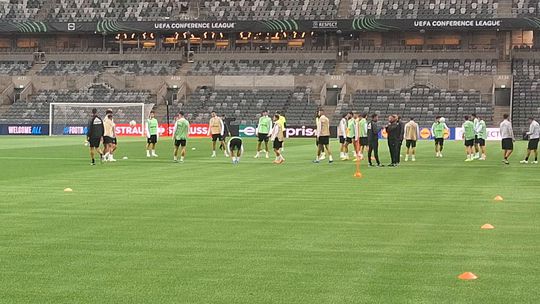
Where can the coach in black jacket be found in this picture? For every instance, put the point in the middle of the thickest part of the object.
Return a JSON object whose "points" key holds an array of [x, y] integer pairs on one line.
{"points": [[401, 125], [393, 131], [373, 140]]}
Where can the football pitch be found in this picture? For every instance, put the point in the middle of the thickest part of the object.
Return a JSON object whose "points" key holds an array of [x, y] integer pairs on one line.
{"points": [[207, 231]]}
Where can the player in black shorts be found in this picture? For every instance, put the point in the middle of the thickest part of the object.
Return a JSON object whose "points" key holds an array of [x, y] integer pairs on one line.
{"points": [[94, 134], [235, 145], [534, 138]]}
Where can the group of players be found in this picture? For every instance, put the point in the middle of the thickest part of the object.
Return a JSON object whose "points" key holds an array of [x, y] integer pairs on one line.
{"points": [[353, 129]]}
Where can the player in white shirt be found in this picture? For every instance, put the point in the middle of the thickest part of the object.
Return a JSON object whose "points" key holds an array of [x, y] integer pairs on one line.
{"points": [[534, 137], [342, 136]]}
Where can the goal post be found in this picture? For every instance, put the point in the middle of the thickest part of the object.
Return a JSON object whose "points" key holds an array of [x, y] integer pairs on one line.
{"points": [[71, 118]]}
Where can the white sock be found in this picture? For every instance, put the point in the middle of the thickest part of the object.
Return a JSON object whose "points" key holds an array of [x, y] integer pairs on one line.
{"points": [[176, 158], [147, 152], [330, 158], [181, 158], [214, 152]]}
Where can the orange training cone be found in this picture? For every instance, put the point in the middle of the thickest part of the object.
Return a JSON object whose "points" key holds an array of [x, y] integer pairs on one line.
{"points": [[498, 198], [466, 276], [487, 226]]}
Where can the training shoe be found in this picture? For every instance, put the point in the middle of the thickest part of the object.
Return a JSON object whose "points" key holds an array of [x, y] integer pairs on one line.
{"points": [[256, 156], [380, 165], [267, 156], [524, 162], [154, 155], [330, 161], [371, 165], [316, 161], [506, 162], [535, 162], [469, 159]]}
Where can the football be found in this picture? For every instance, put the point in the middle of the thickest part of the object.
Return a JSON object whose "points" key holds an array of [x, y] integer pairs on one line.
{"points": [[442, 119], [133, 123]]}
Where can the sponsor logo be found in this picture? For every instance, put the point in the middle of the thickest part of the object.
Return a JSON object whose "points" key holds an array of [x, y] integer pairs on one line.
{"points": [[457, 23], [75, 130], [71, 26], [425, 133], [325, 24], [247, 131], [195, 130], [300, 132], [194, 25], [25, 130], [492, 134]]}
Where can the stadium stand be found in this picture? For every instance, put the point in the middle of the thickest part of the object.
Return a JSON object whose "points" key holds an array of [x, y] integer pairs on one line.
{"points": [[402, 67], [14, 67], [142, 67], [263, 67], [245, 105], [36, 109], [92, 10], [525, 7], [526, 94], [413, 9], [272, 9], [20, 10], [423, 104]]}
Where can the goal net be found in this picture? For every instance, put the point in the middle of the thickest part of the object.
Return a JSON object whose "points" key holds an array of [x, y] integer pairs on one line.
{"points": [[72, 118]]}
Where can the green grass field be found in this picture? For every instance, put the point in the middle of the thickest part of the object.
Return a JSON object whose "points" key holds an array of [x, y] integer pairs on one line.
{"points": [[206, 231]]}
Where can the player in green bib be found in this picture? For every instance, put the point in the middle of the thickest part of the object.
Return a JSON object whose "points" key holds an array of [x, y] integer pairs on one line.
{"points": [[262, 132], [437, 130], [152, 134], [350, 134], [362, 134], [469, 137], [180, 136], [481, 137]]}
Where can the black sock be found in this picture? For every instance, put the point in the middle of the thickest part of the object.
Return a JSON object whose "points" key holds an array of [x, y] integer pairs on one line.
{"points": [[536, 158], [93, 161], [527, 158]]}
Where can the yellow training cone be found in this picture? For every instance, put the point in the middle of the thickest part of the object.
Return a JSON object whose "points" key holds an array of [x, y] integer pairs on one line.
{"points": [[498, 198], [68, 190], [487, 226]]}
